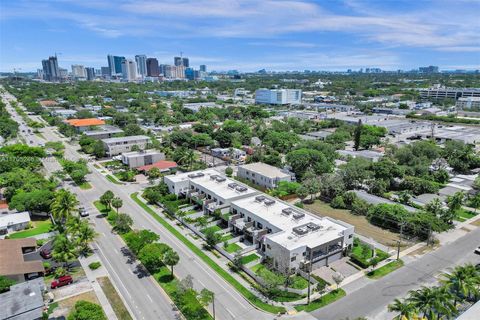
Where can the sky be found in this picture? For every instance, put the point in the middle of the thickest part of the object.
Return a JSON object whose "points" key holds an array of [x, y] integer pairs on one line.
{"points": [[243, 34]]}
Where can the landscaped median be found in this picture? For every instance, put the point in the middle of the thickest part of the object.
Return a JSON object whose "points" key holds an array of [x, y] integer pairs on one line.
{"points": [[112, 179], [223, 273], [386, 269]]}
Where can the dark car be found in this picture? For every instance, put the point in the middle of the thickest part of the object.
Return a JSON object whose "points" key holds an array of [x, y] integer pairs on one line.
{"points": [[62, 281], [45, 254]]}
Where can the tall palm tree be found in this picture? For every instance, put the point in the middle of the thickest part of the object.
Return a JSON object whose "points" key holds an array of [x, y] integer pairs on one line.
{"points": [[405, 309], [188, 157], [85, 234], [432, 302], [62, 207]]}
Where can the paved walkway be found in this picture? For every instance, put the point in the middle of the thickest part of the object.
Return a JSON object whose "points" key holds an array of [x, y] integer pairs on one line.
{"points": [[92, 276]]}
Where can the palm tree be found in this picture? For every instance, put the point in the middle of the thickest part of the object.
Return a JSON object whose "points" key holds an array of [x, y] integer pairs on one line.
{"points": [[117, 203], [63, 250], [85, 234], [405, 309], [188, 157], [62, 207], [106, 199], [171, 258], [432, 302], [462, 282]]}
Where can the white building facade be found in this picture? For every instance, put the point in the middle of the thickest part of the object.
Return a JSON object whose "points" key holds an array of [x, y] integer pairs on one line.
{"points": [[119, 145], [129, 70], [263, 174], [278, 96], [137, 159]]}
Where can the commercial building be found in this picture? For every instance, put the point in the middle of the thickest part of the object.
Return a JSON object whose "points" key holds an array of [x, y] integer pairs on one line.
{"points": [[468, 103], [119, 145], [278, 96], [141, 158], [115, 64], [13, 222], [152, 67], [293, 238], [141, 61], [12, 262], [263, 174], [203, 68], [103, 132], [24, 301], [129, 70], [439, 93], [51, 71], [179, 61], [90, 73], [82, 125], [78, 71]]}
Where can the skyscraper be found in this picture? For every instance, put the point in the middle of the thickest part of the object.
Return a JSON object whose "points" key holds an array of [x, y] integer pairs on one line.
{"points": [[90, 73], [105, 71], [115, 64], [190, 73], [141, 61], [177, 61], [78, 71], [185, 62], [203, 68], [51, 71], [129, 70], [152, 67]]}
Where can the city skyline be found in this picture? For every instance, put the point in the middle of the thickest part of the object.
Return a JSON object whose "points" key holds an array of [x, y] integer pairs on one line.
{"points": [[248, 35]]}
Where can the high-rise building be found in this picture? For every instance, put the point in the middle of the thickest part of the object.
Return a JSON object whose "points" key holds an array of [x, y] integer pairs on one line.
{"points": [[177, 61], [152, 67], [203, 68], [90, 73], [129, 70], [190, 73], [105, 71], [115, 64], [78, 71], [39, 73], [141, 61], [162, 69], [185, 62], [51, 72]]}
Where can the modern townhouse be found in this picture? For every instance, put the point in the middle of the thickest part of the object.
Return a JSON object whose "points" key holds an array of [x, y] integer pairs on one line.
{"points": [[119, 145], [263, 174]]}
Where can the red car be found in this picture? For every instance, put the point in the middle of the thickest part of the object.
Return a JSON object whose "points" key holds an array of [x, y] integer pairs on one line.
{"points": [[45, 254], [62, 281]]}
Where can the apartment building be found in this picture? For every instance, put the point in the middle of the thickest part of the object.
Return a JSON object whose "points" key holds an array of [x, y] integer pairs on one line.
{"points": [[208, 188], [119, 145], [290, 236], [103, 132], [278, 96], [263, 174]]}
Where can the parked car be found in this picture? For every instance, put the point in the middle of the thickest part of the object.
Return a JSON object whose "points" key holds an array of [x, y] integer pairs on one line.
{"points": [[62, 281], [477, 251], [45, 254]]}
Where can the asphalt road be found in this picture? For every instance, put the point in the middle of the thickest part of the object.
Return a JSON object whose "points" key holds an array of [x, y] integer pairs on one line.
{"points": [[229, 304], [371, 300]]}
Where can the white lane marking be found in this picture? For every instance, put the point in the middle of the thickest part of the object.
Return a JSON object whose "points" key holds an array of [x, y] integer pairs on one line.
{"points": [[150, 298], [233, 316], [113, 270]]}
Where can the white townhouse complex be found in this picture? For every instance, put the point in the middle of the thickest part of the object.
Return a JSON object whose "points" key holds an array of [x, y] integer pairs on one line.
{"points": [[208, 188], [263, 174], [141, 158], [119, 145], [290, 236], [278, 96]]}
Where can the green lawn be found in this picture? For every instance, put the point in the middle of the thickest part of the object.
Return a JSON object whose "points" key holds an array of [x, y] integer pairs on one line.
{"points": [[85, 185], [386, 269], [115, 301], [39, 227], [249, 258], [214, 228], [222, 272], [226, 237], [463, 215], [322, 301], [112, 179], [233, 247], [111, 214], [299, 282]]}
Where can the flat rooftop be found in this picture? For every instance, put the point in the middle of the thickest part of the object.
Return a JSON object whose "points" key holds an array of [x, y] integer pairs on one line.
{"points": [[24, 301], [104, 129], [218, 186], [122, 139], [328, 230], [141, 153], [265, 170]]}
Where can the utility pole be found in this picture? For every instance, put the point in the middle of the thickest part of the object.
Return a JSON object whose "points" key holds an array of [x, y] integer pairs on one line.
{"points": [[399, 241]]}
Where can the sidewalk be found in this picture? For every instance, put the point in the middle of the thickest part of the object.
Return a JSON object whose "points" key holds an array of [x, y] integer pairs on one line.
{"points": [[92, 276]]}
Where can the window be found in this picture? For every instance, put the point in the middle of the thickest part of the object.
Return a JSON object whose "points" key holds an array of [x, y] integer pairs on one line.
{"points": [[259, 225], [293, 258], [249, 219], [268, 246]]}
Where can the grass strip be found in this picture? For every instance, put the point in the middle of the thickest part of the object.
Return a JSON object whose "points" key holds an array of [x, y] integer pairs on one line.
{"points": [[40, 228], [322, 301], [85, 185], [386, 269], [112, 179], [115, 301], [223, 273]]}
